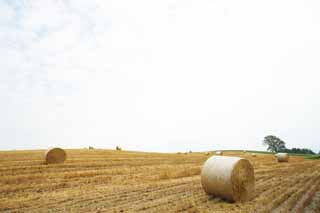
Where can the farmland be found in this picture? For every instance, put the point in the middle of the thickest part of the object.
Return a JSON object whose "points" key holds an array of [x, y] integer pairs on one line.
{"points": [[121, 181]]}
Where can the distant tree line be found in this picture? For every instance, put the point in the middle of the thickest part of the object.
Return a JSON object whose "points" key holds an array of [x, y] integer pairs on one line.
{"points": [[298, 151], [275, 144]]}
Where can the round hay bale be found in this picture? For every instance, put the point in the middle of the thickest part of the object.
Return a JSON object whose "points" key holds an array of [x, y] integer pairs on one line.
{"points": [[55, 155], [219, 153], [282, 157], [231, 178], [118, 148], [254, 155]]}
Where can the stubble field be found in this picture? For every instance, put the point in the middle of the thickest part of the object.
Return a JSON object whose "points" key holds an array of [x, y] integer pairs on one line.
{"points": [[121, 181]]}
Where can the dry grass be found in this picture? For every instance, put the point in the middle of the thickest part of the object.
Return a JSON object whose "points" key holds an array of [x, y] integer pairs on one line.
{"points": [[113, 181]]}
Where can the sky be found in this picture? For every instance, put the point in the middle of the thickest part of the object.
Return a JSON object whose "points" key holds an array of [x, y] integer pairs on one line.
{"points": [[164, 76]]}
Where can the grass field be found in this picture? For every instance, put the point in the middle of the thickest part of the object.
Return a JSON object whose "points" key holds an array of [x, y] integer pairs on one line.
{"points": [[306, 156], [120, 181]]}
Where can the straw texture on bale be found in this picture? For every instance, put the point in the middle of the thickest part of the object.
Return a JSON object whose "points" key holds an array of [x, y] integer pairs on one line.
{"points": [[55, 155], [282, 157], [219, 153], [231, 178]]}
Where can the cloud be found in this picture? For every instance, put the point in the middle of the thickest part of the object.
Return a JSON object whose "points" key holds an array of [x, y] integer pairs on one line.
{"points": [[167, 75]]}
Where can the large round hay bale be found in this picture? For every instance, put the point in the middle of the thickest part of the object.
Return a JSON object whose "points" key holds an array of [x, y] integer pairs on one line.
{"points": [[231, 178], [55, 155], [219, 153], [282, 157]]}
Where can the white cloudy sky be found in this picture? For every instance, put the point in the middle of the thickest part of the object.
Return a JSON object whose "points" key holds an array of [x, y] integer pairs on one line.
{"points": [[169, 75]]}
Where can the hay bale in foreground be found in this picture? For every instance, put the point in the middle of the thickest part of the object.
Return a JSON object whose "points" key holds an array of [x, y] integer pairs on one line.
{"points": [[55, 155], [231, 178], [282, 157], [219, 153]]}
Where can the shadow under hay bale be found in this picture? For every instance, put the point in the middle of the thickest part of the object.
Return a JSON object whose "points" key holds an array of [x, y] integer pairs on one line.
{"points": [[230, 178], [55, 155]]}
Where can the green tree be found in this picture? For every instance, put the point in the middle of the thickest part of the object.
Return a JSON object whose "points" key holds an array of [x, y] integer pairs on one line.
{"points": [[274, 143]]}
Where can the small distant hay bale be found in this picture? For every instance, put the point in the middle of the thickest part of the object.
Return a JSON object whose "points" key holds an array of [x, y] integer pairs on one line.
{"points": [[208, 153], [244, 152], [231, 178], [282, 157], [118, 148], [254, 155], [219, 153], [90, 147], [55, 155], [190, 151]]}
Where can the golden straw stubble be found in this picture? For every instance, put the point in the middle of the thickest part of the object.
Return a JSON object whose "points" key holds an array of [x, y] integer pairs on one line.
{"points": [[231, 178], [55, 155]]}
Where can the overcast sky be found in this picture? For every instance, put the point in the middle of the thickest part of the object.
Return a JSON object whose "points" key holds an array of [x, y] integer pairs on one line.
{"points": [[169, 75]]}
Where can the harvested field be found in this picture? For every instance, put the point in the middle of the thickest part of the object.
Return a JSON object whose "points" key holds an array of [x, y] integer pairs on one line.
{"points": [[113, 181]]}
